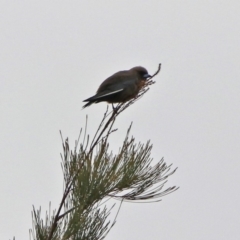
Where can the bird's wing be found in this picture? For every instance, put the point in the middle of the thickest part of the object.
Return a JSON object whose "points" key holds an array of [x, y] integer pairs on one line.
{"points": [[102, 95], [116, 83], [107, 93]]}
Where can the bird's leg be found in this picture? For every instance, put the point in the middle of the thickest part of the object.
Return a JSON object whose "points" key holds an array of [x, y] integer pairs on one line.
{"points": [[115, 109]]}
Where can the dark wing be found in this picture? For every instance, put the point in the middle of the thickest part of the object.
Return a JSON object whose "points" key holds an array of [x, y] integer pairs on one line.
{"points": [[118, 81], [100, 95]]}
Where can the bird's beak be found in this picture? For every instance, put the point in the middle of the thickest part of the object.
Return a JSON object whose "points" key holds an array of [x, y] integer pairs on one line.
{"points": [[147, 75]]}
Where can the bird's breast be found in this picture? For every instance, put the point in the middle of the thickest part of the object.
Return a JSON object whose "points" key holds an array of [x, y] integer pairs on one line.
{"points": [[141, 84]]}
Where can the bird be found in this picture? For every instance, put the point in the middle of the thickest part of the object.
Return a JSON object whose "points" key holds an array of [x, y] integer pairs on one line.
{"points": [[121, 87]]}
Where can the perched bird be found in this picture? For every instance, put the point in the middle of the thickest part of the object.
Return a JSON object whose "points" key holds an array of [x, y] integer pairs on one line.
{"points": [[120, 87]]}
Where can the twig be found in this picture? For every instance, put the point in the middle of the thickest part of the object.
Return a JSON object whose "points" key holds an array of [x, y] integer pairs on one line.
{"points": [[114, 114], [105, 115], [54, 225]]}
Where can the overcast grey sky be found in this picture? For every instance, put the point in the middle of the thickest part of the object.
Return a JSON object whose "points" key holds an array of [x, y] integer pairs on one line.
{"points": [[54, 54]]}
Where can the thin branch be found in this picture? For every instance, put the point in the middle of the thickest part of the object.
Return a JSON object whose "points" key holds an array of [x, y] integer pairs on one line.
{"points": [[105, 115], [85, 130], [54, 225], [103, 130]]}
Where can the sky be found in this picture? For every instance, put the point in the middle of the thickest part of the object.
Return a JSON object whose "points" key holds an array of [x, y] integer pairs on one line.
{"points": [[54, 54]]}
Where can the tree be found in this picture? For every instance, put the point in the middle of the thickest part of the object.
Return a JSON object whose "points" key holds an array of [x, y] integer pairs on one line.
{"points": [[93, 175]]}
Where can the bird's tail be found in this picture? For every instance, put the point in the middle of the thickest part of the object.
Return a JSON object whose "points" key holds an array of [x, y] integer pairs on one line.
{"points": [[87, 105]]}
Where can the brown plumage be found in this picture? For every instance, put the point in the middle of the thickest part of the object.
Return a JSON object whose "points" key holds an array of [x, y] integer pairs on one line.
{"points": [[120, 87]]}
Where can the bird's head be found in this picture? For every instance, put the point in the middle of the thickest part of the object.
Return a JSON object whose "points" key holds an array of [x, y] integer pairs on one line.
{"points": [[142, 72]]}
